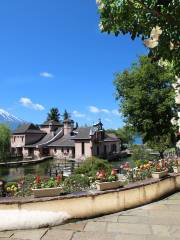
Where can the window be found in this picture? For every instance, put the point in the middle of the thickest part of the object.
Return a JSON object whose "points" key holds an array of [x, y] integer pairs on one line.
{"points": [[62, 150], [113, 148], [22, 138], [55, 150], [82, 148], [14, 139], [105, 149], [67, 150], [97, 150]]}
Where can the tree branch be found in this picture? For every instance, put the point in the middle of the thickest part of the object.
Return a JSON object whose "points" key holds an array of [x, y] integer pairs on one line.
{"points": [[167, 17]]}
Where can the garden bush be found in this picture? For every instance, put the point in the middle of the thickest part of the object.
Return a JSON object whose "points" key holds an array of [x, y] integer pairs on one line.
{"points": [[92, 165], [76, 183]]}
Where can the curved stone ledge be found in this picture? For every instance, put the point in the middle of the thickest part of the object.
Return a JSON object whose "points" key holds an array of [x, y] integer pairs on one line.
{"points": [[95, 203]]}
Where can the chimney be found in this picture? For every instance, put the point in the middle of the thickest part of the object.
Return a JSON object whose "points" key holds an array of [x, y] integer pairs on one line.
{"points": [[68, 126]]}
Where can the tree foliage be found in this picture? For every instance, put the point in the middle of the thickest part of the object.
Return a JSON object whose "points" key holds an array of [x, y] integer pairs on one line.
{"points": [[139, 17], [126, 134], [4, 141], [54, 115], [65, 115], [147, 101]]}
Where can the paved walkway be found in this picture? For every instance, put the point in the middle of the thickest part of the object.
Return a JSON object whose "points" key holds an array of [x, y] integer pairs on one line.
{"points": [[156, 221]]}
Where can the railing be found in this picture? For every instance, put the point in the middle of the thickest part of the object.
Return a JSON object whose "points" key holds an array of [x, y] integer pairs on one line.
{"points": [[66, 168]]}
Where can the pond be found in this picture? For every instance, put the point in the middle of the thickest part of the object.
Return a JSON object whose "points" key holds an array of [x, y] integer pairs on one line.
{"points": [[45, 168]]}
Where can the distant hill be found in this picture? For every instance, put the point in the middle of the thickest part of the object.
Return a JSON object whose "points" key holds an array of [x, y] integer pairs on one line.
{"points": [[12, 121]]}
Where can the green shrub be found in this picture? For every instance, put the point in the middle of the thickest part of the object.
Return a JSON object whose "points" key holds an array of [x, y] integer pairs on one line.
{"points": [[76, 183], [92, 165], [25, 186]]}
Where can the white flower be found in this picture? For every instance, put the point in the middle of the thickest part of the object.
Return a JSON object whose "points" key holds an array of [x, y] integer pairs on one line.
{"points": [[177, 99], [153, 41], [174, 121], [177, 79], [98, 1], [171, 46], [155, 33], [150, 43], [178, 144], [174, 85], [101, 26], [101, 6]]}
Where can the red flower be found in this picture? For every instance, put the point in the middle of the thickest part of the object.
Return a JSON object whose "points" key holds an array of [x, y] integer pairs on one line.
{"points": [[163, 163], [38, 179], [58, 178]]}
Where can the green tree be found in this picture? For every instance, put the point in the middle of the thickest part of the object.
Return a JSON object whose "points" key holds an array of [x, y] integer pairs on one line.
{"points": [[54, 115], [126, 134], [65, 115], [147, 101], [139, 18], [4, 141]]}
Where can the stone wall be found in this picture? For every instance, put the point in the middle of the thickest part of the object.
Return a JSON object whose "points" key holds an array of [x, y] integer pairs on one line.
{"points": [[87, 205], [17, 141], [87, 149]]}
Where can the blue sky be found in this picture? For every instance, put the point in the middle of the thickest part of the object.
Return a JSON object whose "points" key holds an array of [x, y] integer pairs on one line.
{"points": [[52, 54]]}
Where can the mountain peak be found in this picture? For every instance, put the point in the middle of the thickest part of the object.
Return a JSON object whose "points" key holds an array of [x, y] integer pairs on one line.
{"points": [[11, 120]]}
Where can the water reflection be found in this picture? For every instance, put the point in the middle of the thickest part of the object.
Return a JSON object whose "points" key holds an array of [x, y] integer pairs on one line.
{"points": [[15, 173], [43, 168]]}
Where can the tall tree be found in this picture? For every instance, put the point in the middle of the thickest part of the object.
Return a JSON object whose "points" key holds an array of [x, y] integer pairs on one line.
{"points": [[54, 115], [4, 141], [156, 22], [65, 115], [147, 101], [126, 134]]}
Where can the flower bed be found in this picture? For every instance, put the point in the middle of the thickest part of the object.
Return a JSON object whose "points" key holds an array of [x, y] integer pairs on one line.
{"points": [[176, 166], [160, 174], [105, 181], [101, 186], [176, 169], [104, 178], [47, 192], [47, 187]]}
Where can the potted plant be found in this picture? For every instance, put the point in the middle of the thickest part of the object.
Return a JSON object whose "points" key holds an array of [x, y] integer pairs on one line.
{"points": [[176, 166], [107, 181], [159, 171], [47, 187]]}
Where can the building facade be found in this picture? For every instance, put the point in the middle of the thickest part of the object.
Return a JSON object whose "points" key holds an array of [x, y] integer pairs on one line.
{"points": [[63, 141]]}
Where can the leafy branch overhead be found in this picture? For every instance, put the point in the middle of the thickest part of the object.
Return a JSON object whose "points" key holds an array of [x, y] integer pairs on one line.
{"points": [[147, 101], [156, 22]]}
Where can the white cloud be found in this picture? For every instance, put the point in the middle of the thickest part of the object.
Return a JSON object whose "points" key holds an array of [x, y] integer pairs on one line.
{"points": [[94, 109], [78, 114], [26, 102], [108, 120], [116, 112], [104, 110], [46, 75]]}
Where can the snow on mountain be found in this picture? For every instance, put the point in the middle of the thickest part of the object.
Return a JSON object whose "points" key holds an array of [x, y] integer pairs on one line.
{"points": [[9, 119]]}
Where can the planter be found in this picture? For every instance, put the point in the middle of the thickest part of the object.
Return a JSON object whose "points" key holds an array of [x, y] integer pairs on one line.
{"points": [[159, 175], [101, 186], [176, 169], [47, 192]]}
